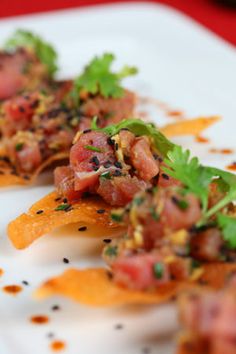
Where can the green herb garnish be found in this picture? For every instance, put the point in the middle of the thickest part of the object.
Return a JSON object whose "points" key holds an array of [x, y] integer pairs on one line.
{"points": [[158, 270], [105, 175], [98, 78], [64, 206], [117, 216], [19, 146], [181, 203], [111, 251], [92, 148], [227, 225], [196, 179], [138, 200], [44, 51], [154, 214]]}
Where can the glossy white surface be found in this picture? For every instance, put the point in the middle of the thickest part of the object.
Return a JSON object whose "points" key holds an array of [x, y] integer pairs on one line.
{"points": [[180, 63]]}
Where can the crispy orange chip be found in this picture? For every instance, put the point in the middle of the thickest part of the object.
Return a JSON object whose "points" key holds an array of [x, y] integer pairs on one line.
{"points": [[43, 218], [8, 177], [189, 126], [94, 287]]}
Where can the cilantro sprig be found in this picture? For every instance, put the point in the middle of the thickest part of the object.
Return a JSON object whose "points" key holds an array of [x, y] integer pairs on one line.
{"points": [[98, 77], [44, 51], [227, 225], [139, 128], [196, 178]]}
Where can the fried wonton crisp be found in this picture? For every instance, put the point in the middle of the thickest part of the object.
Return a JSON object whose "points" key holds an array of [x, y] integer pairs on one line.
{"points": [[95, 286], [51, 212], [189, 126], [10, 177]]}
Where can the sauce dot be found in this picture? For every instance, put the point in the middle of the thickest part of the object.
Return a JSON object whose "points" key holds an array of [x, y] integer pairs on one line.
{"points": [[221, 151], [39, 319], [12, 289], [231, 167], [175, 114], [57, 345], [201, 139], [1, 272]]}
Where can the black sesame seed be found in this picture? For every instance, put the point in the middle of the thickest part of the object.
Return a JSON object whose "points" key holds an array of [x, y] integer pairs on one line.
{"points": [[107, 240], [119, 326], [24, 282], [116, 146], [39, 212], [66, 260], [95, 160], [101, 211], [64, 200], [57, 199], [118, 164], [87, 131], [26, 177], [117, 173], [82, 228], [107, 164], [165, 176], [55, 307], [110, 142]]}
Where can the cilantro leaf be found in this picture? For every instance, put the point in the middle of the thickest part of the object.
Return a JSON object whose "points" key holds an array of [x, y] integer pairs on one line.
{"points": [[228, 227], [98, 77], [44, 51], [229, 181], [139, 128], [187, 170]]}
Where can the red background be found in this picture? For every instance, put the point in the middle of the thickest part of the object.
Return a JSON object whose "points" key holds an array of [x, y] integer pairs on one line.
{"points": [[220, 19]]}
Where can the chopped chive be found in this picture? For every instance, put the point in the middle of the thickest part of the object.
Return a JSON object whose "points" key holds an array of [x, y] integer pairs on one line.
{"points": [[154, 214], [111, 251], [181, 203], [116, 217], [105, 175], [138, 200], [63, 207], [92, 148], [195, 264], [158, 270], [19, 146]]}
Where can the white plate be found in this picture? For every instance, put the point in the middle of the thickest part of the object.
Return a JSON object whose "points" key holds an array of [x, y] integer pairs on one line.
{"points": [[180, 63]]}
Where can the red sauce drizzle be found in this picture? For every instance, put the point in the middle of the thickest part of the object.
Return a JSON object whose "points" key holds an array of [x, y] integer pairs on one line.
{"points": [[202, 139], [57, 345], [175, 114], [221, 151], [39, 319], [12, 289], [231, 167]]}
